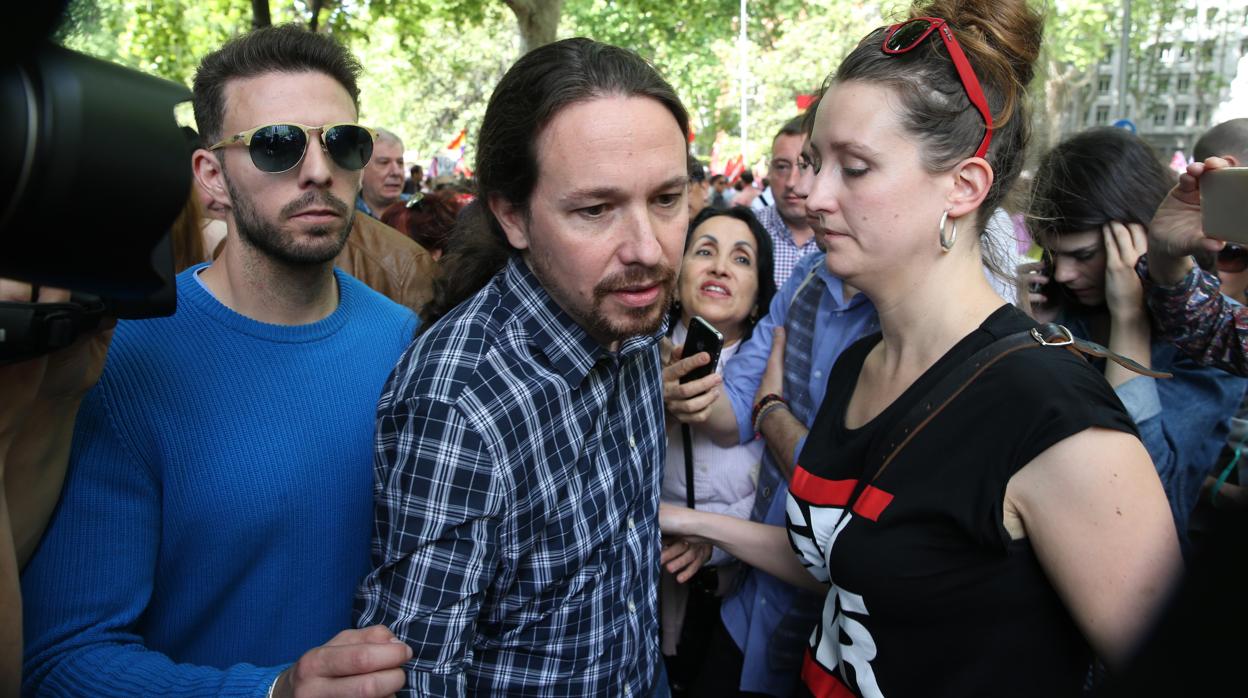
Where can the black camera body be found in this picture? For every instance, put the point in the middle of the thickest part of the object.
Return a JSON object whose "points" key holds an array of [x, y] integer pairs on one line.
{"points": [[93, 171]]}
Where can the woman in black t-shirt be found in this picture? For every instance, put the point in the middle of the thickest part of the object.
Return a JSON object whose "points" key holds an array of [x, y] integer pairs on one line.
{"points": [[1024, 525]]}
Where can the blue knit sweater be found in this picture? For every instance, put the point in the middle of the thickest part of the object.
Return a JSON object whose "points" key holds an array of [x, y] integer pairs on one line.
{"points": [[217, 512]]}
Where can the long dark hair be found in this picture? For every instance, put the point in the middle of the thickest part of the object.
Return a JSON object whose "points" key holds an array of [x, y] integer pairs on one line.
{"points": [[540, 85], [1094, 177], [765, 260]]}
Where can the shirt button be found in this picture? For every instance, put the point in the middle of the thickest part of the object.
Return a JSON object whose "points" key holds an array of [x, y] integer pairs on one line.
{"points": [[818, 374], [632, 607], [632, 443], [631, 525], [766, 491], [628, 690]]}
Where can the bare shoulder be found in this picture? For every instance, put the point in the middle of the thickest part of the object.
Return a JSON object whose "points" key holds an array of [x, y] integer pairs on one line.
{"points": [[1095, 513], [1097, 472]]}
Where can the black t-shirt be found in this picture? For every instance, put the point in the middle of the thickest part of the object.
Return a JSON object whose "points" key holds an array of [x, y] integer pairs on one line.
{"points": [[930, 596]]}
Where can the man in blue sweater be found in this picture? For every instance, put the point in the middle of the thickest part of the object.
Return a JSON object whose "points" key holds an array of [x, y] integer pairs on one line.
{"points": [[217, 510]]}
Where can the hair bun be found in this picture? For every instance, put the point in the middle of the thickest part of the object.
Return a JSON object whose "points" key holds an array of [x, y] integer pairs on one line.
{"points": [[1001, 29]]}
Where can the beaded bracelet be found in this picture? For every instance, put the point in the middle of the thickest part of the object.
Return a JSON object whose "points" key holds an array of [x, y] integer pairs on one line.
{"points": [[765, 405]]}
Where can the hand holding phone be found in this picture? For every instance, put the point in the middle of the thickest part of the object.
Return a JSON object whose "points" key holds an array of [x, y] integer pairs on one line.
{"points": [[702, 337], [1224, 204]]}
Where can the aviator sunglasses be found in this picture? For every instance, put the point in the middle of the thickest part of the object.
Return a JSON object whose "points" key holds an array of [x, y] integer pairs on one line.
{"points": [[277, 148], [903, 37]]}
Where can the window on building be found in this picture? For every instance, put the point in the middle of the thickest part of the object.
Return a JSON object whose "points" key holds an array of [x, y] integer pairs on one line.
{"points": [[1185, 51], [1202, 115], [1189, 15], [1163, 82], [1102, 115], [1103, 83], [1180, 115], [1211, 14], [1206, 51], [1243, 47], [1183, 84], [1159, 116], [1107, 57], [1165, 52]]}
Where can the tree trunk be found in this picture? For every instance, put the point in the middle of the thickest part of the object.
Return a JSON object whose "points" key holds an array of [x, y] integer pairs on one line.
{"points": [[538, 21], [315, 8], [260, 14]]}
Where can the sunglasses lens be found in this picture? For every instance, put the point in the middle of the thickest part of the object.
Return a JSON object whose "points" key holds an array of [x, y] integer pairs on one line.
{"points": [[278, 148], [349, 145], [907, 35], [1233, 258]]}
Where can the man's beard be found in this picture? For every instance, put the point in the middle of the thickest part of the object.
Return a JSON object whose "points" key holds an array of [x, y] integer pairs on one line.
{"points": [[269, 239], [601, 326]]}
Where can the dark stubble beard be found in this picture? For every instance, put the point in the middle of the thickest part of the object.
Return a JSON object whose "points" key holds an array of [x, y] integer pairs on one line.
{"points": [[635, 321], [268, 238]]}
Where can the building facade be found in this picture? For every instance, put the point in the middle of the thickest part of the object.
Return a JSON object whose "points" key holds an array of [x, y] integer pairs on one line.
{"points": [[1180, 73]]}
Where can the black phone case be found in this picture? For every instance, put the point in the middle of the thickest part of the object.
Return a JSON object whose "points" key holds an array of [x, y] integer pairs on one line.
{"points": [[702, 337]]}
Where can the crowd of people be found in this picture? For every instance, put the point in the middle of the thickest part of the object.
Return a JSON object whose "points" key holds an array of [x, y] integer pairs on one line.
{"points": [[408, 436]]}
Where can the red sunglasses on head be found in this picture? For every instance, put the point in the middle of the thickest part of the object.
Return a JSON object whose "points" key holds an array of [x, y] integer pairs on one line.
{"points": [[903, 37]]}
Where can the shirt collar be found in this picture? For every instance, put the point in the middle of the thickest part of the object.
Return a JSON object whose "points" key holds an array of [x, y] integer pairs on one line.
{"points": [[836, 287], [569, 348]]}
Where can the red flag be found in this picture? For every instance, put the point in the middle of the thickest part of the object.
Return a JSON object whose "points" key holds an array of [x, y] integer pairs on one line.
{"points": [[804, 102], [459, 140], [734, 167]]}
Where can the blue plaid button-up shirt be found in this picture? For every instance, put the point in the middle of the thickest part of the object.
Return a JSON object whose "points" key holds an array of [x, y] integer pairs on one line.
{"points": [[518, 465]]}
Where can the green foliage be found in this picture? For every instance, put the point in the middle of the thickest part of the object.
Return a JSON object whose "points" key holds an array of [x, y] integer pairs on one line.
{"points": [[430, 65]]}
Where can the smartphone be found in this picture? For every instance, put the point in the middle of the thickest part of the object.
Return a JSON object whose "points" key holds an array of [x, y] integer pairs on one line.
{"points": [[702, 337], [1224, 204]]}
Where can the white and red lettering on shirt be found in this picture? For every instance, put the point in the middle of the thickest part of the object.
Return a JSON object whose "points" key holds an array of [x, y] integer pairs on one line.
{"points": [[818, 505]]}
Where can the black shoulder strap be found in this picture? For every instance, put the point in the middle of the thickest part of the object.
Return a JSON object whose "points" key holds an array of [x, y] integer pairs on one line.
{"points": [[957, 380]]}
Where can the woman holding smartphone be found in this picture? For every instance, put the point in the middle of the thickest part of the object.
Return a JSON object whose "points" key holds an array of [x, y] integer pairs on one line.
{"points": [[1020, 528], [1092, 197], [726, 280]]}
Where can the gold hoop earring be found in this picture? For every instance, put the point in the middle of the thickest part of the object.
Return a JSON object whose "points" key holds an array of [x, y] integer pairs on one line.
{"points": [[947, 244]]}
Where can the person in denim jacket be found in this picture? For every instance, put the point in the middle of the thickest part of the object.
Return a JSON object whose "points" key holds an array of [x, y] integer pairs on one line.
{"points": [[1094, 194]]}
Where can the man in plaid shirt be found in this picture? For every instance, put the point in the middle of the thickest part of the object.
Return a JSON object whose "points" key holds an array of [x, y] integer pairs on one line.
{"points": [[791, 235], [520, 441]]}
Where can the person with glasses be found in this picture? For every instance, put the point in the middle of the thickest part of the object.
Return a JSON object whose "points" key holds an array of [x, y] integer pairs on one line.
{"points": [[218, 504], [1092, 197], [972, 499], [791, 234]]}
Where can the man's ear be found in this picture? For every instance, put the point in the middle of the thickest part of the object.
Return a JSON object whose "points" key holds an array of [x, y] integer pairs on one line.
{"points": [[972, 179], [211, 177], [1234, 161], [513, 219]]}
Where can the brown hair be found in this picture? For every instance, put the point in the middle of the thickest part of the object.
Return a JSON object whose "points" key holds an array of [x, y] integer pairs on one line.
{"points": [[1001, 39], [473, 255], [284, 48], [428, 221]]}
